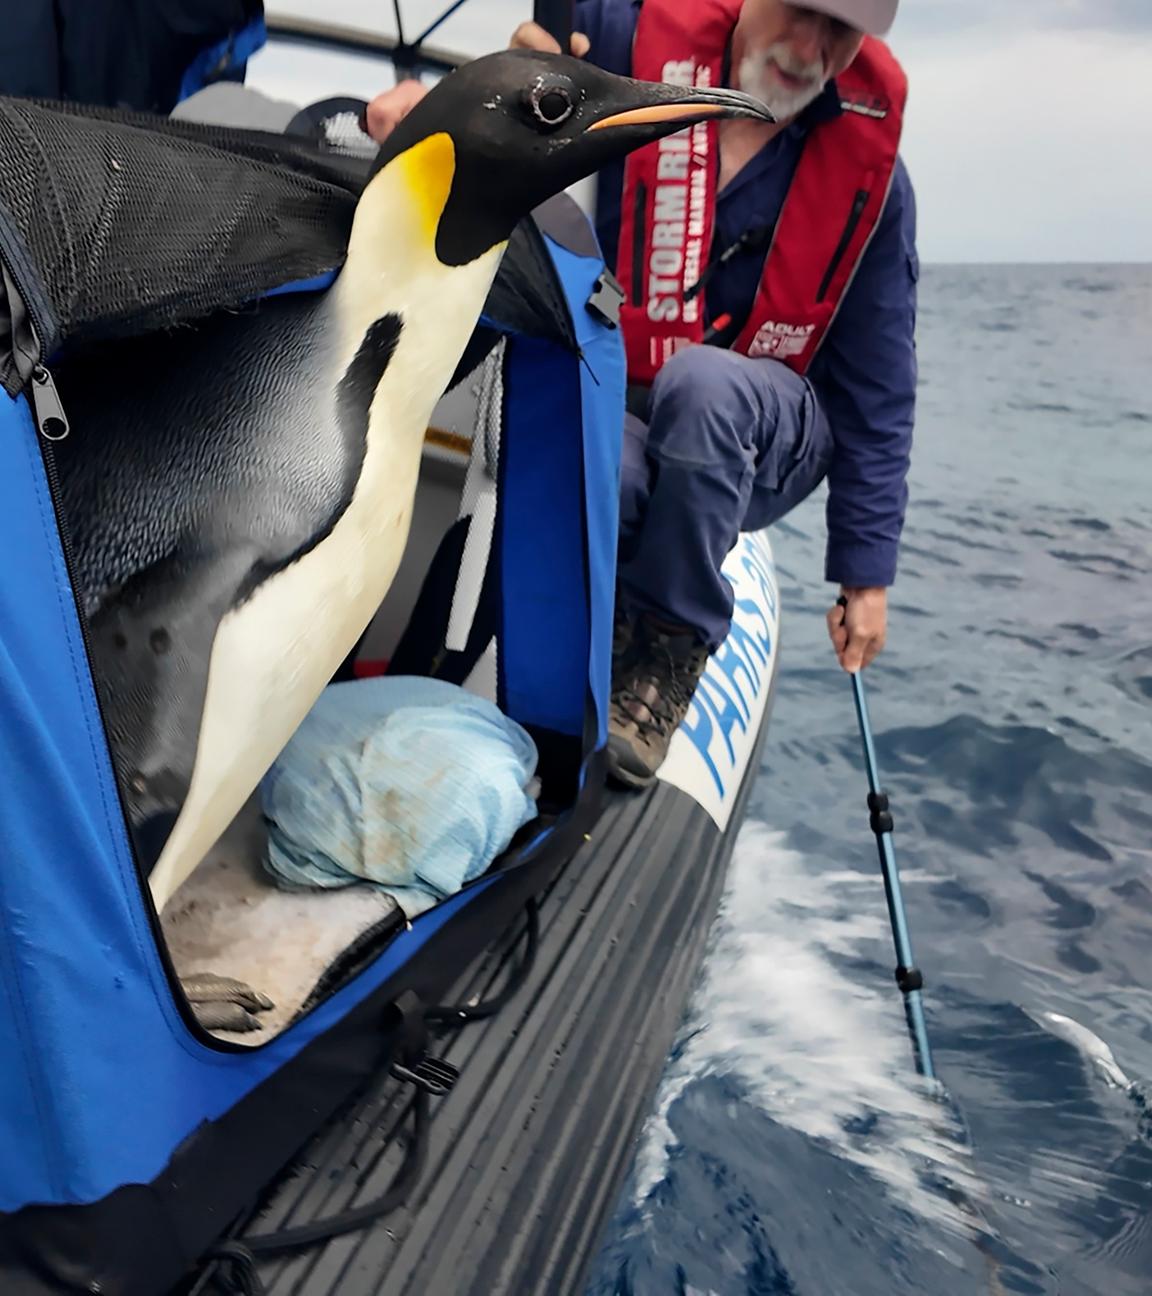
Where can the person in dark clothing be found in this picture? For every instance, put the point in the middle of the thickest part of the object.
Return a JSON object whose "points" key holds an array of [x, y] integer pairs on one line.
{"points": [[773, 352], [141, 54]]}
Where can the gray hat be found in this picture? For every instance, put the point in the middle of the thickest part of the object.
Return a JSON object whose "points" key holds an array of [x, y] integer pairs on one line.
{"points": [[874, 17]]}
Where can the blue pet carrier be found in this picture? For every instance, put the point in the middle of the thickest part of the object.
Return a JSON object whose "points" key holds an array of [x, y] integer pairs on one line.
{"points": [[129, 1138]]}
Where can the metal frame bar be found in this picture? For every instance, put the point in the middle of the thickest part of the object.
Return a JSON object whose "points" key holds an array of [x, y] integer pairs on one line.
{"points": [[437, 22], [406, 57]]}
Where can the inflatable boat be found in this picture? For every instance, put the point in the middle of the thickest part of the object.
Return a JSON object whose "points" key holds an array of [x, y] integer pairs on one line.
{"points": [[445, 1100]]}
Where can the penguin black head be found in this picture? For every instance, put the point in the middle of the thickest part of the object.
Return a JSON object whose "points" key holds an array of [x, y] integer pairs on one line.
{"points": [[517, 127]]}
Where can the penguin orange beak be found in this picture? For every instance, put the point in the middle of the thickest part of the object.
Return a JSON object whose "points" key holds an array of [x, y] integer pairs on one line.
{"points": [[685, 107]]}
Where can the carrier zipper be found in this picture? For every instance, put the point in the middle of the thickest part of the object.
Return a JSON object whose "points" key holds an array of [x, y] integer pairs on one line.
{"points": [[858, 205], [52, 426], [20, 278], [42, 388], [639, 242], [38, 383], [51, 421]]}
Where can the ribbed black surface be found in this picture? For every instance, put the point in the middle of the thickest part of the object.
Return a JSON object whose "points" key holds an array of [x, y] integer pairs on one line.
{"points": [[527, 1154]]}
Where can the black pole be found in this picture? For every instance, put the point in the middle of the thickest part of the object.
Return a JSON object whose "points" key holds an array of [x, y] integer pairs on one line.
{"points": [[908, 976], [557, 17]]}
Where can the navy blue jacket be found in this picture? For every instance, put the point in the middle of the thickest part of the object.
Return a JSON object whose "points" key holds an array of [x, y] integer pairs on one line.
{"points": [[865, 373], [142, 54]]}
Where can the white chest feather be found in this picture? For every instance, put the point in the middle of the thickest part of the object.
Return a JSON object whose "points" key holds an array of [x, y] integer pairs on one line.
{"points": [[274, 655]]}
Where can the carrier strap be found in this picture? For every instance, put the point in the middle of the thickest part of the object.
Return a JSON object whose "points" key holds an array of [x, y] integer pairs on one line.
{"points": [[462, 1013], [306, 1235], [237, 1262], [479, 502]]}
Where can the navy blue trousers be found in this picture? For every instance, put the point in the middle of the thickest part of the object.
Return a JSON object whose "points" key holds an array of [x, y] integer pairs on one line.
{"points": [[730, 445]]}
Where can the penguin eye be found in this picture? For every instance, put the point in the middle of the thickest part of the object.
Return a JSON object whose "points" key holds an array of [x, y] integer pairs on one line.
{"points": [[551, 103]]}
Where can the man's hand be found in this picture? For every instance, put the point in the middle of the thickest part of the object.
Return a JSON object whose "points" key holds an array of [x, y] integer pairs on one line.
{"points": [[389, 109], [530, 36], [858, 626]]}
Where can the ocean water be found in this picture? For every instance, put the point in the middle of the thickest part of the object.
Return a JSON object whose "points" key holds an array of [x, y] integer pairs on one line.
{"points": [[792, 1149]]}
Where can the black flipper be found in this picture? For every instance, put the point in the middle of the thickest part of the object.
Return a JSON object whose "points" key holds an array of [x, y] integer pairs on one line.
{"points": [[200, 465], [152, 648]]}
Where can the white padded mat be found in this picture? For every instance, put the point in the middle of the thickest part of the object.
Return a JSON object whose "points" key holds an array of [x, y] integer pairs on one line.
{"points": [[229, 918]]}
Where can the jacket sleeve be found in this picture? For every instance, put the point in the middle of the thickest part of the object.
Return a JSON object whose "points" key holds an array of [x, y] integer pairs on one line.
{"points": [[866, 377], [609, 25], [30, 51], [121, 52]]}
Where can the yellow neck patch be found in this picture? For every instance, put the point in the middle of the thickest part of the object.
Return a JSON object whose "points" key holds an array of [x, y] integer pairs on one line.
{"points": [[427, 170]]}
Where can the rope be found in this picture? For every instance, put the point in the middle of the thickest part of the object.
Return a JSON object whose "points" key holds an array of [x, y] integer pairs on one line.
{"points": [[463, 1013], [237, 1261], [237, 1269], [415, 1159]]}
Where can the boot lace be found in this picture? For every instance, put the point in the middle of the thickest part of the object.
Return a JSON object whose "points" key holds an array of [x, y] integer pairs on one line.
{"points": [[672, 677]]}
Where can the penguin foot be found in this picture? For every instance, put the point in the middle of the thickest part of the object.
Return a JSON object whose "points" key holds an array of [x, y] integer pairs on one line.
{"points": [[224, 1004]]}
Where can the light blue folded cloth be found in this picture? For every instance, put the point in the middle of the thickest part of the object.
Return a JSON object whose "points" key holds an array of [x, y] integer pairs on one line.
{"points": [[409, 783]]}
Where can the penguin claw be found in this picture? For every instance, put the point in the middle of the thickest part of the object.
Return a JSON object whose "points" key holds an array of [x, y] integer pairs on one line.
{"points": [[225, 1004]]}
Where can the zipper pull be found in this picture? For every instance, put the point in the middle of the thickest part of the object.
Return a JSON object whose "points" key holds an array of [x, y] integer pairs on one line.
{"points": [[51, 421]]}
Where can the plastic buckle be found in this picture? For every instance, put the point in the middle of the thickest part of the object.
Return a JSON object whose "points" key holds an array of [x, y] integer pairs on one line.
{"points": [[432, 1074], [607, 298], [414, 1066]]}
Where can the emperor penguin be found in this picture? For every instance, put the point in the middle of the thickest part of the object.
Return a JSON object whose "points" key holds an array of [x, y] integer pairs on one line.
{"points": [[239, 495]]}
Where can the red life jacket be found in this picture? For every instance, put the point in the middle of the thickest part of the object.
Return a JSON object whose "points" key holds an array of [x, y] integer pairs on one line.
{"points": [[670, 188]]}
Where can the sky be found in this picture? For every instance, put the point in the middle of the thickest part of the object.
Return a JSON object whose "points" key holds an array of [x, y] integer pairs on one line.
{"points": [[1029, 126]]}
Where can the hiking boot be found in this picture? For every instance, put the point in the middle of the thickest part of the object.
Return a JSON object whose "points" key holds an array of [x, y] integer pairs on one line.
{"points": [[650, 697]]}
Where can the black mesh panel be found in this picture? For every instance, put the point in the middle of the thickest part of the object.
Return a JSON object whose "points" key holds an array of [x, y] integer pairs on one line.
{"points": [[136, 223]]}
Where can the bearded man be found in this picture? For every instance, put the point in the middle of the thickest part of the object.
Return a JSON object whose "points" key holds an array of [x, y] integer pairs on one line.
{"points": [[770, 274]]}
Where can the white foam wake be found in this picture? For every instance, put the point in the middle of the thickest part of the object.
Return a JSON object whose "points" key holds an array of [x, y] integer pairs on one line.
{"points": [[817, 1047], [1090, 1046]]}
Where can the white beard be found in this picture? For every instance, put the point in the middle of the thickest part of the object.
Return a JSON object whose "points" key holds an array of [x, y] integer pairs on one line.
{"points": [[758, 81]]}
